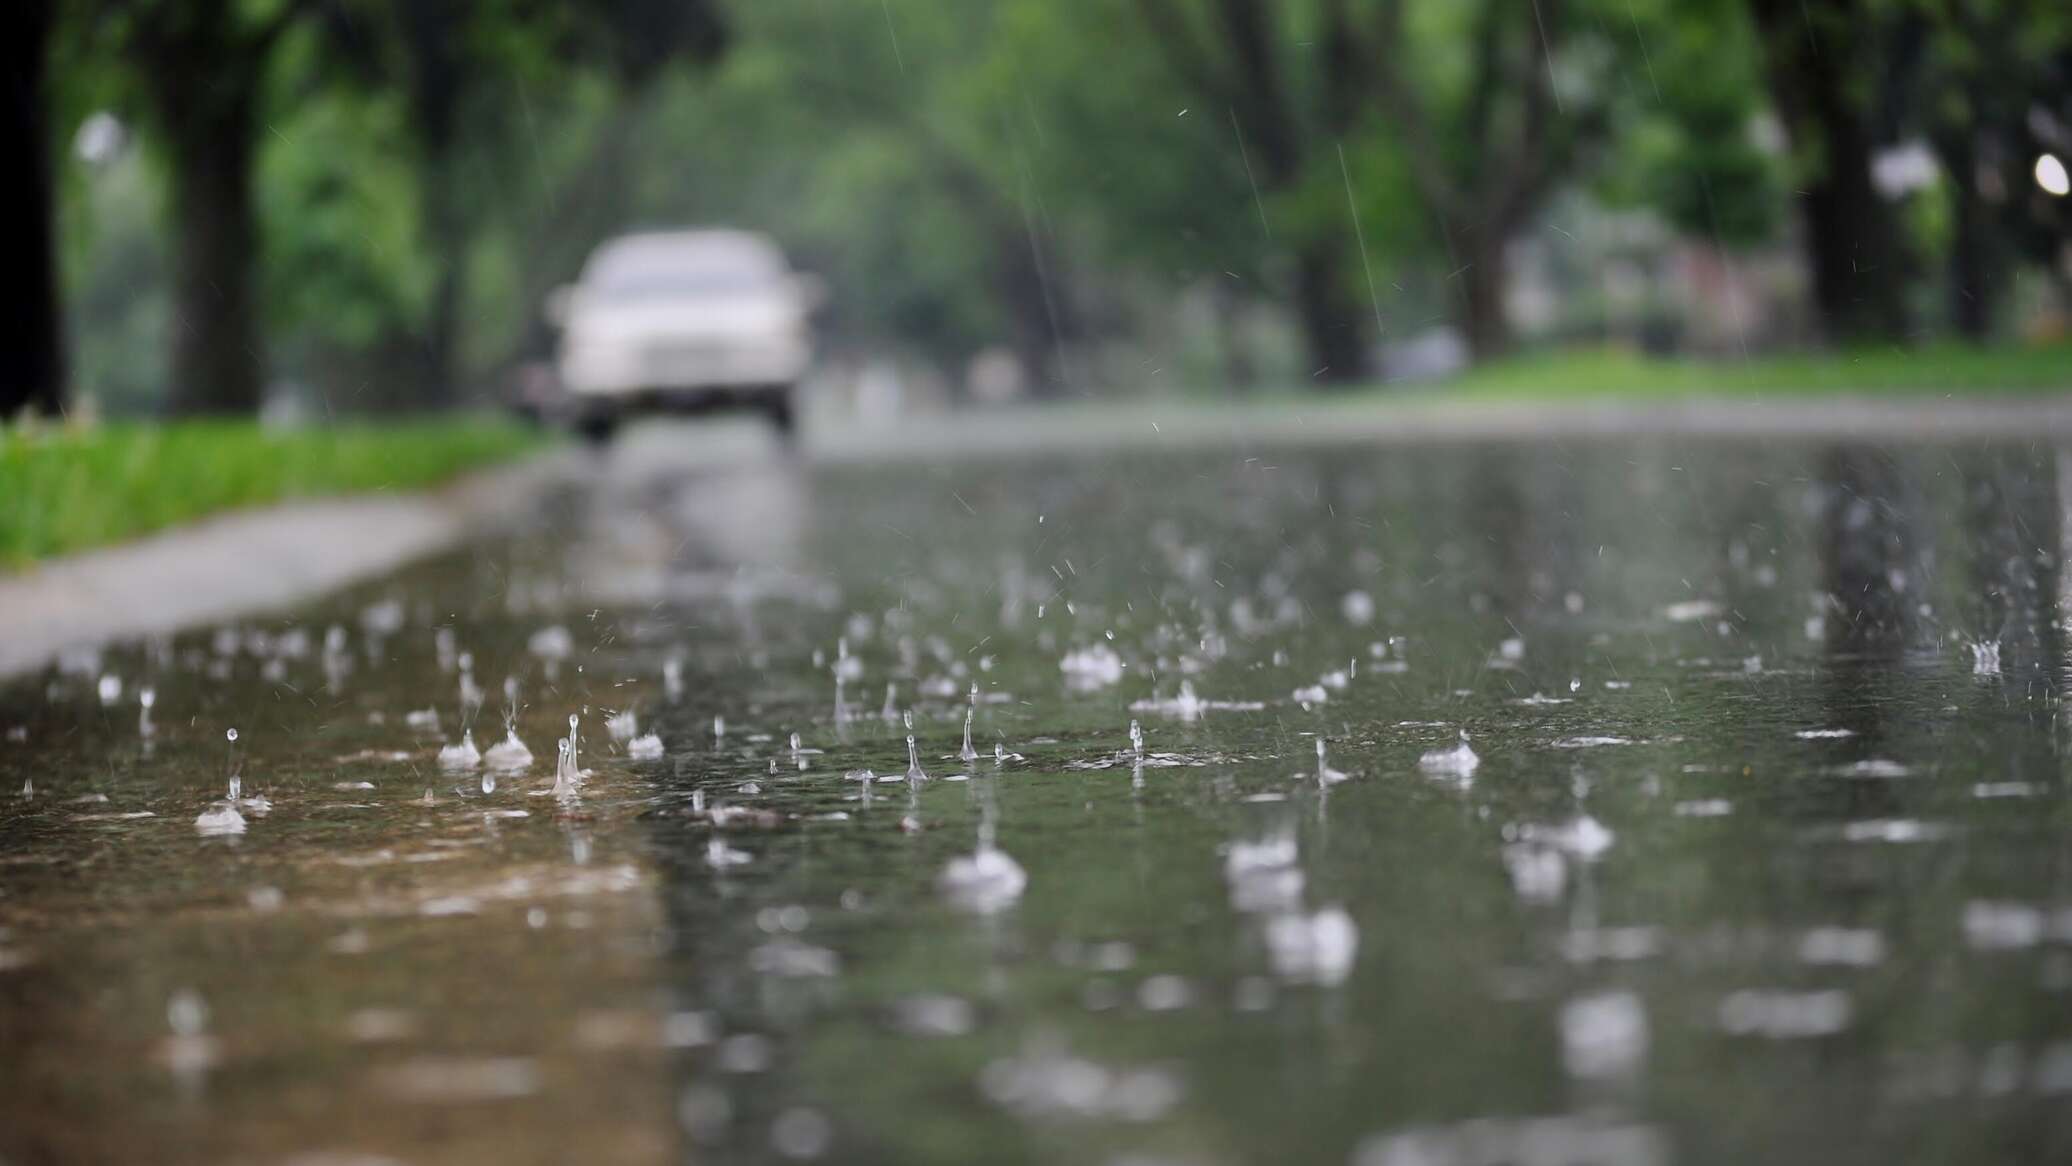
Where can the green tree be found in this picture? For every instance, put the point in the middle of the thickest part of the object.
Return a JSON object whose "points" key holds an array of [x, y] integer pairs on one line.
{"points": [[1826, 63], [1487, 107], [1687, 145], [455, 61], [199, 76], [867, 139], [199, 70], [1293, 109], [32, 370], [1990, 75]]}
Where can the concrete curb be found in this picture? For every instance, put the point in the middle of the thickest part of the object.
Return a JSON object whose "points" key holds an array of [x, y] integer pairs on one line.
{"points": [[248, 561]]}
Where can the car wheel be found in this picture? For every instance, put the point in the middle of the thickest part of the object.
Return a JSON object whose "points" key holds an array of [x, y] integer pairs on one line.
{"points": [[782, 418], [597, 429]]}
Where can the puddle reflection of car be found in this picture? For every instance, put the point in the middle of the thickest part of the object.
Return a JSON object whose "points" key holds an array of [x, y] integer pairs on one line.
{"points": [[683, 322]]}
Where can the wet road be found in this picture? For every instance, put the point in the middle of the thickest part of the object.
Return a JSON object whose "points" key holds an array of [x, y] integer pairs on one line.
{"points": [[1757, 848]]}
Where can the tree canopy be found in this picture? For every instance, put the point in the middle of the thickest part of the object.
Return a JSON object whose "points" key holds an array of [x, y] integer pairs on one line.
{"points": [[372, 199]]}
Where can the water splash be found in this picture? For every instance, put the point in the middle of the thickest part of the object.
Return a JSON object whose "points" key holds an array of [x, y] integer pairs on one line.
{"points": [[189, 1051], [463, 756], [967, 753], [237, 783], [1313, 949], [986, 880], [471, 694], [564, 768], [915, 774], [509, 754], [1582, 837], [1090, 668], [623, 726], [1604, 1035], [1325, 774], [720, 856], [1263, 876], [147, 696], [1985, 658], [1189, 706], [552, 644], [847, 667], [1358, 608], [567, 771], [1458, 762], [866, 779], [222, 818], [647, 747]]}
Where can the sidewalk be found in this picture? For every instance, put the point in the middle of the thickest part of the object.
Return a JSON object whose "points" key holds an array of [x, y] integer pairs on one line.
{"points": [[246, 562]]}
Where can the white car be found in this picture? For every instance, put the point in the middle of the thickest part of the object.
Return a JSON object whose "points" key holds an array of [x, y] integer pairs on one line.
{"points": [[683, 321]]}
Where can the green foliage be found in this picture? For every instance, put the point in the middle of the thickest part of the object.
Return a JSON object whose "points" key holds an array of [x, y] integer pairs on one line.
{"points": [[339, 213], [71, 489], [966, 174], [1691, 123]]}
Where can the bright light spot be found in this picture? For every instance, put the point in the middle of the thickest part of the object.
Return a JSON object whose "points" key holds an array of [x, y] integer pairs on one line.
{"points": [[1903, 169], [2051, 176], [100, 138]]}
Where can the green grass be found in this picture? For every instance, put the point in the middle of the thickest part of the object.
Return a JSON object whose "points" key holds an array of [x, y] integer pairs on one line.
{"points": [[1606, 372], [64, 490]]}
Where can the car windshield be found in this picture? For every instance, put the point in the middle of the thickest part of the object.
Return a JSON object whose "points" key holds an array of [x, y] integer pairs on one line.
{"points": [[644, 270], [668, 282]]}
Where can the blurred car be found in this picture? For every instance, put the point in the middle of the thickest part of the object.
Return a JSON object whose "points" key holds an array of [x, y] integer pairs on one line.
{"points": [[683, 322]]}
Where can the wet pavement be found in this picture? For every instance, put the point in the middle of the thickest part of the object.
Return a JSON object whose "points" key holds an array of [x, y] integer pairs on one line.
{"points": [[1757, 847]]}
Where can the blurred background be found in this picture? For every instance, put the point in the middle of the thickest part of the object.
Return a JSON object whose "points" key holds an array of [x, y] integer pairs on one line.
{"points": [[312, 208]]}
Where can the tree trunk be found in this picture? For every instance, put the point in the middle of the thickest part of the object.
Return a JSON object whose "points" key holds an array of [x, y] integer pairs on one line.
{"points": [[1234, 351], [1332, 325], [1852, 237], [32, 367], [1040, 318], [209, 108], [1484, 324], [434, 33], [448, 242], [1974, 274]]}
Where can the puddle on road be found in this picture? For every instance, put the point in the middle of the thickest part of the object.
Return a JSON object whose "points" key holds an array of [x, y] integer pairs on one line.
{"points": [[1754, 846]]}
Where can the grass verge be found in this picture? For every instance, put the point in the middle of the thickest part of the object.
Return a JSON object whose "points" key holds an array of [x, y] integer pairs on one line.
{"points": [[64, 489], [1934, 370]]}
